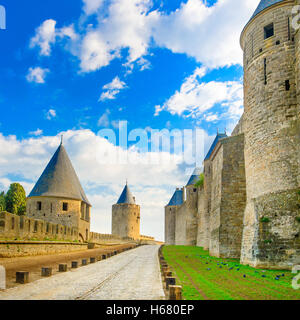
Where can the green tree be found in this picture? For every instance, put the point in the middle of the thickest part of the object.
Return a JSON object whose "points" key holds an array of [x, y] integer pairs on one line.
{"points": [[200, 182], [16, 199], [2, 201]]}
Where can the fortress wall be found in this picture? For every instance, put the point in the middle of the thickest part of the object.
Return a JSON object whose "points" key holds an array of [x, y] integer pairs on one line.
{"points": [[272, 133], [126, 220], [207, 203], [21, 227], [180, 225], [191, 211], [239, 129], [170, 224], [233, 197], [216, 193], [203, 222]]}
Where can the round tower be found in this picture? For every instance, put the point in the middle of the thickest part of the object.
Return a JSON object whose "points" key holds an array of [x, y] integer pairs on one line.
{"points": [[126, 216], [272, 134]]}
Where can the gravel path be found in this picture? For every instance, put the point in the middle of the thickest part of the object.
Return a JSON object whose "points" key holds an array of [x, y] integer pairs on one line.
{"points": [[131, 275]]}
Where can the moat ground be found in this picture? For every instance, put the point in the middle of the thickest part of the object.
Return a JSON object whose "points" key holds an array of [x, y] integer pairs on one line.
{"points": [[207, 278]]}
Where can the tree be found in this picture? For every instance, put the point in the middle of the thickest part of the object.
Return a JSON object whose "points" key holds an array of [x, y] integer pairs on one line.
{"points": [[2, 201], [200, 182], [16, 199]]}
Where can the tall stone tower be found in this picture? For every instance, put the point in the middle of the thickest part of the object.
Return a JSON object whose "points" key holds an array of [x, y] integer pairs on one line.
{"points": [[272, 137], [126, 216], [170, 215], [58, 196]]}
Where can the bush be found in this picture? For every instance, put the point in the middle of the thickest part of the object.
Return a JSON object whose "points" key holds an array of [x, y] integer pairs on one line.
{"points": [[298, 219], [15, 199], [264, 219]]}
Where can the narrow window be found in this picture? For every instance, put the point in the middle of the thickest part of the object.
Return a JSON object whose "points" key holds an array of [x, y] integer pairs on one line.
{"points": [[51, 207], [269, 31], [65, 206], [287, 85], [265, 70], [39, 206], [35, 226], [48, 226], [12, 223], [289, 30], [195, 190]]}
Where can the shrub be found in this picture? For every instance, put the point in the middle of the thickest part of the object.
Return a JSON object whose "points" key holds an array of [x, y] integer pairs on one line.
{"points": [[298, 219], [264, 219]]}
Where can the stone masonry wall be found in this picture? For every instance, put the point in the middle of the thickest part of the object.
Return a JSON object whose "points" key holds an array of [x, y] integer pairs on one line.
{"points": [[170, 224], [77, 215], [271, 126], [22, 227], [126, 220], [233, 197]]}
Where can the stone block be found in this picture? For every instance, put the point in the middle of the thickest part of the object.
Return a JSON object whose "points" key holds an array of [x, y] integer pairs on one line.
{"points": [[46, 272], [175, 292], [22, 277], [63, 267]]}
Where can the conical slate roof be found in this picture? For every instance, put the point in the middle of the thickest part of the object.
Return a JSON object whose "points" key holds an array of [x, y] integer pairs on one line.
{"points": [[177, 198], [126, 196], [264, 4], [194, 177], [218, 137], [59, 179]]}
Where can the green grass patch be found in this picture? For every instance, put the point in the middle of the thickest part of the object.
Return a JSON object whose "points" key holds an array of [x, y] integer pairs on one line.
{"points": [[208, 278]]}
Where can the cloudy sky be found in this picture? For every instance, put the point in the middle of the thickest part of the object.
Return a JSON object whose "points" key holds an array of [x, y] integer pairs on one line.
{"points": [[77, 67]]}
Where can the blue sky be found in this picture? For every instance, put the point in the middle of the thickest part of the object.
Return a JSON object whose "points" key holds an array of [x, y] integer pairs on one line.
{"points": [[81, 67]]}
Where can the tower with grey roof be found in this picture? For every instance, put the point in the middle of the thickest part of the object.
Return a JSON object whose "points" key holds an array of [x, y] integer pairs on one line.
{"points": [[126, 216], [59, 198]]}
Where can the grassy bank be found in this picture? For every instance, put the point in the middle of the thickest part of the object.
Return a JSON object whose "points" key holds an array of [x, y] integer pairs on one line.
{"points": [[207, 278]]}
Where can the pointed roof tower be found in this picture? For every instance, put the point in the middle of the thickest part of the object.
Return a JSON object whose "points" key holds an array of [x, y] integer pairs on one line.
{"points": [[59, 179], [177, 198], [126, 196], [194, 177], [218, 137]]}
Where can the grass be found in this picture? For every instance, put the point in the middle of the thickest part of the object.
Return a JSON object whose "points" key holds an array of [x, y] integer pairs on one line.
{"points": [[203, 277]]}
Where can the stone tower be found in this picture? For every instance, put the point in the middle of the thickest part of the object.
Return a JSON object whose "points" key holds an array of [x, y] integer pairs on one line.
{"points": [[170, 215], [272, 137], [58, 196], [126, 216]]}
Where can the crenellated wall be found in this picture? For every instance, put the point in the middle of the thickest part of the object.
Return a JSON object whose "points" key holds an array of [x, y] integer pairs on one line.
{"points": [[25, 228]]}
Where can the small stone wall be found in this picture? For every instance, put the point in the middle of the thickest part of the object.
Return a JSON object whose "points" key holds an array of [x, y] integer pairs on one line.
{"points": [[14, 227]]}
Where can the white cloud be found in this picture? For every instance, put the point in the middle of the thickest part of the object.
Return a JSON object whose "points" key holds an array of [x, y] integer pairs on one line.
{"points": [[50, 114], [112, 89], [195, 97], [104, 119], [209, 34], [37, 132], [44, 37], [37, 75], [47, 33], [91, 6]]}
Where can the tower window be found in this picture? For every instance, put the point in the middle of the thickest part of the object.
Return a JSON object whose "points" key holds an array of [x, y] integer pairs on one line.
{"points": [[51, 207], [269, 31], [65, 206], [39, 206], [287, 85]]}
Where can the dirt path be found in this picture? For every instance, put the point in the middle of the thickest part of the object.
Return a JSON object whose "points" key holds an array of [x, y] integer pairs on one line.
{"points": [[33, 264], [131, 275]]}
